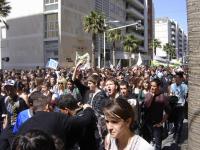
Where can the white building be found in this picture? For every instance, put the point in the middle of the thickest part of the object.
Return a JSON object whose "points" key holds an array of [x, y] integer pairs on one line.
{"points": [[43, 29], [168, 31]]}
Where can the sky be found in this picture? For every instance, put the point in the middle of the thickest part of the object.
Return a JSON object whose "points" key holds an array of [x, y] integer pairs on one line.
{"points": [[173, 9]]}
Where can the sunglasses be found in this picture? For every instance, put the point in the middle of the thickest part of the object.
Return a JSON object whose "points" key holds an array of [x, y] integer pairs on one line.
{"points": [[60, 83]]}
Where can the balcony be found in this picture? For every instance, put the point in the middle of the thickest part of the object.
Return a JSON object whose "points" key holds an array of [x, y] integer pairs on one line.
{"points": [[173, 39], [173, 23], [173, 33], [173, 27], [133, 12], [136, 3]]}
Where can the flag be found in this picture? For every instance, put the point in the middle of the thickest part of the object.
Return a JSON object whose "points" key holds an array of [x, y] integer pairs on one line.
{"points": [[111, 65], [52, 64], [118, 65], [139, 62], [84, 59]]}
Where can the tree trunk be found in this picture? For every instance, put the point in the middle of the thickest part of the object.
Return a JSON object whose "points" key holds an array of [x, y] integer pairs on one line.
{"points": [[130, 59], [93, 51], [154, 52], [194, 74]]}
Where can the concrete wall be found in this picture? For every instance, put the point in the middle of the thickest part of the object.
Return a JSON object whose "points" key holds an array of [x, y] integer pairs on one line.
{"points": [[72, 37], [24, 42]]}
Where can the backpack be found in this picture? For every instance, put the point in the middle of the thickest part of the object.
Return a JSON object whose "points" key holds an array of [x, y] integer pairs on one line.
{"points": [[172, 102]]}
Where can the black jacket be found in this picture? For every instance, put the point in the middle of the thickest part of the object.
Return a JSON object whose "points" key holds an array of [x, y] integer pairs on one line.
{"points": [[98, 101], [84, 90], [69, 129]]}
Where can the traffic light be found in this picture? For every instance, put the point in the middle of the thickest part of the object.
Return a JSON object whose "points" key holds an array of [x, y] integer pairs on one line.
{"points": [[138, 25], [6, 59]]}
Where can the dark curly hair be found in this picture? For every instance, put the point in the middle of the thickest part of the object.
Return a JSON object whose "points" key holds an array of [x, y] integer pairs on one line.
{"points": [[33, 140]]}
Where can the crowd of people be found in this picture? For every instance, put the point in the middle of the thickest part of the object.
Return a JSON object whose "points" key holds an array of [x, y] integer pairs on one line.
{"points": [[131, 108]]}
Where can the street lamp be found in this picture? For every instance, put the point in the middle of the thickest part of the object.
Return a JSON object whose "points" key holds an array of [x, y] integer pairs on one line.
{"points": [[137, 24], [104, 39]]}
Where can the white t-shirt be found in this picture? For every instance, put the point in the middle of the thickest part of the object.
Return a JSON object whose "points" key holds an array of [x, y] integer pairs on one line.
{"points": [[136, 143]]}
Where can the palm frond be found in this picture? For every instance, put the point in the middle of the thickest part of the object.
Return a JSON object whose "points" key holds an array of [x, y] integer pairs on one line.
{"points": [[4, 8]]}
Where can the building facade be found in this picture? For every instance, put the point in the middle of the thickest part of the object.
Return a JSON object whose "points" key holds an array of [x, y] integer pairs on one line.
{"points": [[169, 31], [43, 29]]}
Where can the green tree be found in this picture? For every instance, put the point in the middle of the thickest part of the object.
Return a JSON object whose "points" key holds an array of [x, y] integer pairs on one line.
{"points": [[194, 74], [170, 50], [94, 24], [131, 45], [155, 43], [114, 36], [4, 11]]}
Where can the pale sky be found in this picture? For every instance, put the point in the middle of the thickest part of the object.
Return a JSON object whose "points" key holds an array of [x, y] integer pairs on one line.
{"points": [[173, 9]]}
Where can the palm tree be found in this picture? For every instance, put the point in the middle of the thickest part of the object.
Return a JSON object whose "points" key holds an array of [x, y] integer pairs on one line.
{"points": [[155, 43], [114, 36], [170, 50], [131, 45], [94, 24], [194, 74], [4, 11]]}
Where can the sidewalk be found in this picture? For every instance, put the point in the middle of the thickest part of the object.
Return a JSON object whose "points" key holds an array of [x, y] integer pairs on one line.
{"points": [[168, 143]]}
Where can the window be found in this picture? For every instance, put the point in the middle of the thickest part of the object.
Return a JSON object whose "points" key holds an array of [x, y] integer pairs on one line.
{"points": [[51, 45], [50, 1], [51, 50], [51, 25], [50, 5]]}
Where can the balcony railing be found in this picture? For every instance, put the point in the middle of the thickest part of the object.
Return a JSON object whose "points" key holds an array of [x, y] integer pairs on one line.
{"points": [[133, 12], [136, 3]]}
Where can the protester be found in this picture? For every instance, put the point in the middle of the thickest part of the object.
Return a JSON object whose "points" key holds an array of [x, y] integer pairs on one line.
{"points": [[21, 91], [68, 105], [95, 87], [13, 104], [155, 104], [112, 88], [97, 98], [180, 90], [125, 93], [119, 117], [28, 113], [66, 128], [77, 78], [34, 140], [71, 89]]}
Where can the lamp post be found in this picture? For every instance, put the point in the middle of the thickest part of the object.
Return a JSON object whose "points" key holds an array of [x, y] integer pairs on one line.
{"points": [[137, 23], [104, 39]]}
